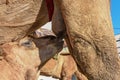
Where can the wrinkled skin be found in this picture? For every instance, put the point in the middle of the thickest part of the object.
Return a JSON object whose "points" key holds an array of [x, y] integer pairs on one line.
{"points": [[90, 37], [22, 60], [21, 17]]}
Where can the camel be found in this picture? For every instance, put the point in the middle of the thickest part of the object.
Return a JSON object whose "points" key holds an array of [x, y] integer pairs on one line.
{"points": [[63, 68], [22, 60], [18, 18], [62, 65], [85, 24], [89, 36]]}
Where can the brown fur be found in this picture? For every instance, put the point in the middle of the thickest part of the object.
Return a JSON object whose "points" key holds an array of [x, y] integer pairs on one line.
{"points": [[63, 68], [21, 60], [90, 38], [21, 17]]}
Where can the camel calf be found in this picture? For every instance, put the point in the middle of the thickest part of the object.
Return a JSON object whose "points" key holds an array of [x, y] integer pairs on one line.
{"points": [[22, 60], [63, 68]]}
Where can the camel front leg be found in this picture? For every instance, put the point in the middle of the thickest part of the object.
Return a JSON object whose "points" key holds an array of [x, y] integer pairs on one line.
{"points": [[90, 35], [58, 25]]}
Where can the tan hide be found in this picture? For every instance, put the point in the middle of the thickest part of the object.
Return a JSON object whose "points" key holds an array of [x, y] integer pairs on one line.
{"points": [[21, 17], [91, 39], [22, 60]]}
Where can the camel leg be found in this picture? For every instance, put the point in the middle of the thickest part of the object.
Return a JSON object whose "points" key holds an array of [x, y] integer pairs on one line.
{"points": [[90, 34], [58, 25]]}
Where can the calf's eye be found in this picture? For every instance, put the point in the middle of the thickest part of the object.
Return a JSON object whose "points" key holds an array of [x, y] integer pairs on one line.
{"points": [[27, 43]]}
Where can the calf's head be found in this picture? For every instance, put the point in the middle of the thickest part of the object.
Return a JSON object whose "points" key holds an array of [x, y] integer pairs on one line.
{"points": [[54, 45], [23, 58]]}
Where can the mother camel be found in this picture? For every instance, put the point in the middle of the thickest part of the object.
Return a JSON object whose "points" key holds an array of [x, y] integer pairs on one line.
{"points": [[88, 28], [90, 37]]}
